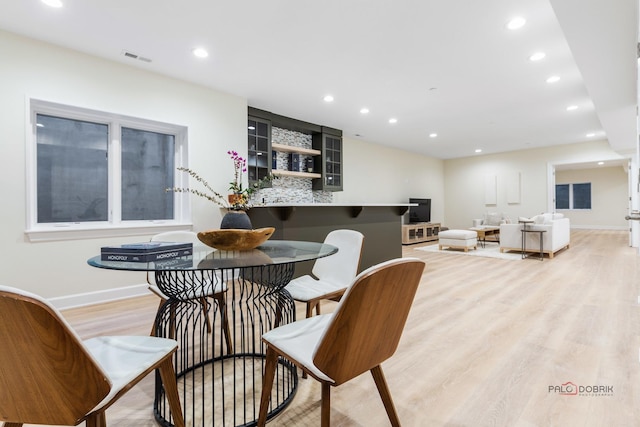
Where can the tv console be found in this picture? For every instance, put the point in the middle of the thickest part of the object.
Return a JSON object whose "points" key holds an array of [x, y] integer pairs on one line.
{"points": [[420, 232]]}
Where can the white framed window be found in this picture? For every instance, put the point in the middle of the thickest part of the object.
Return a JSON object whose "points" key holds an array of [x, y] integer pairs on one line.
{"points": [[93, 173], [573, 196]]}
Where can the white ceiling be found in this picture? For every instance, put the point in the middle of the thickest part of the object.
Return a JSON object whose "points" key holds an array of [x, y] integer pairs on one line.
{"points": [[449, 67]]}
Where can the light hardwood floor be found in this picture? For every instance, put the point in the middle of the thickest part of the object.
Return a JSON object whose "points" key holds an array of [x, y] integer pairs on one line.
{"points": [[485, 340]]}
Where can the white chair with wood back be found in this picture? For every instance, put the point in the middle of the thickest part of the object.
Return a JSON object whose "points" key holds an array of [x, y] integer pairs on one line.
{"points": [[332, 274], [214, 290], [48, 375], [363, 332]]}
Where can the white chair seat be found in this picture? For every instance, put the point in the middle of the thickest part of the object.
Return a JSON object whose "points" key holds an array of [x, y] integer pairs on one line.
{"points": [[332, 274], [300, 339], [141, 353], [306, 288]]}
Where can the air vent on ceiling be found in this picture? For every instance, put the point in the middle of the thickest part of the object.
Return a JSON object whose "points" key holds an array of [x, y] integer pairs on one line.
{"points": [[135, 56]]}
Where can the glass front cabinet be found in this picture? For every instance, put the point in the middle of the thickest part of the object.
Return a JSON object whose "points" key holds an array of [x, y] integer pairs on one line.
{"points": [[259, 149], [329, 142], [323, 162]]}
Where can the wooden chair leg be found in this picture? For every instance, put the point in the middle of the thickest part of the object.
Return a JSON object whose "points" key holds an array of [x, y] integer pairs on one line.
{"points": [[205, 310], [383, 389], [97, 419], [155, 321], [309, 312], [270, 365], [325, 409], [222, 304], [172, 322], [168, 376], [278, 316]]}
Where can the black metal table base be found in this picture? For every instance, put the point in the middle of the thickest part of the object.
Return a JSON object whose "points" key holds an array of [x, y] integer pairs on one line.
{"points": [[220, 385]]}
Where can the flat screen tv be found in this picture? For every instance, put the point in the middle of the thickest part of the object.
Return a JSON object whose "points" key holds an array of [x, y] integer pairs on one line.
{"points": [[421, 212]]}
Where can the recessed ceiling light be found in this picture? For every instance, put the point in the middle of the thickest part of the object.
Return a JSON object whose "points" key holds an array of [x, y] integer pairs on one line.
{"points": [[393, 121], [364, 111], [591, 135], [252, 128], [433, 135], [328, 98], [40, 125], [553, 79], [200, 52], [600, 163], [572, 107], [537, 56], [478, 150], [517, 22], [53, 3]]}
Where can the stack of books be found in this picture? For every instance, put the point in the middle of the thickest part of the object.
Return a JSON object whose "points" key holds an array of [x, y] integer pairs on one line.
{"points": [[146, 251]]}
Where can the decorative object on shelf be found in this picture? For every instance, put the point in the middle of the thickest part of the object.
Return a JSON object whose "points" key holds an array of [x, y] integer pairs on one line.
{"points": [[295, 163], [243, 195], [237, 219], [234, 239], [239, 199]]}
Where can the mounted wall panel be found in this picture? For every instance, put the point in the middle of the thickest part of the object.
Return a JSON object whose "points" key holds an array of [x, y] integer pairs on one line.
{"points": [[490, 190], [513, 188]]}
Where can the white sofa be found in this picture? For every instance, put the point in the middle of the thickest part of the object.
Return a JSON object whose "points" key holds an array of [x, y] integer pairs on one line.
{"points": [[490, 219], [557, 235]]}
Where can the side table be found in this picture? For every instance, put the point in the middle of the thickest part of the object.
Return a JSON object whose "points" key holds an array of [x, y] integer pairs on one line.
{"points": [[525, 230]]}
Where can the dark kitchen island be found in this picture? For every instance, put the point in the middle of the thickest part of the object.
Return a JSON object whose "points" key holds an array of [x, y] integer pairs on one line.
{"points": [[381, 225]]}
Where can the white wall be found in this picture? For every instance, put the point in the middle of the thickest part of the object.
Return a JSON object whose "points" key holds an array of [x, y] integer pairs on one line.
{"points": [[609, 197], [379, 174], [465, 180]]}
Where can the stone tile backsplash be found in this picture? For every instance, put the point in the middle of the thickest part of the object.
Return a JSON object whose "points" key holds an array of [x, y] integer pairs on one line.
{"points": [[290, 189]]}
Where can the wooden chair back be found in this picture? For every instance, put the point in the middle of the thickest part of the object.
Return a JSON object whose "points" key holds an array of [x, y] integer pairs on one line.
{"points": [[368, 323], [46, 375]]}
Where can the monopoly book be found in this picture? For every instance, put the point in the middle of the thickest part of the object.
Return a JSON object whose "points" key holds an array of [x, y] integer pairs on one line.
{"points": [[146, 251]]}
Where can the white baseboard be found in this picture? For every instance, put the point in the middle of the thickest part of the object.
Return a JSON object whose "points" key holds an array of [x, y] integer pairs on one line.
{"points": [[98, 297]]}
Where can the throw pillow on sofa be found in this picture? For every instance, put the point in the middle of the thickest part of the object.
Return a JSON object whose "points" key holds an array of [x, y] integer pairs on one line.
{"points": [[492, 218]]}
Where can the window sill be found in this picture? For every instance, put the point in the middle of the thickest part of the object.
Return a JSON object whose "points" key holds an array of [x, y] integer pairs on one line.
{"points": [[77, 232]]}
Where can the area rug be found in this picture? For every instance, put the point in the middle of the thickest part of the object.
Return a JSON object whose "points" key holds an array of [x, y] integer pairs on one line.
{"points": [[491, 250]]}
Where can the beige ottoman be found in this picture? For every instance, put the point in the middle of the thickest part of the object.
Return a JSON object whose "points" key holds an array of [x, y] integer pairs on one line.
{"points": [[458, 239]]}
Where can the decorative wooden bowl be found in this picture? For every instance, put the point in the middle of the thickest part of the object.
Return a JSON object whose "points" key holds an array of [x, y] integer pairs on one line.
{"points": [[233, 239]]}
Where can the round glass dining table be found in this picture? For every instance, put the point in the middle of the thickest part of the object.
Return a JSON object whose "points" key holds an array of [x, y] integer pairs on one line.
{"points": [[218, 305]]}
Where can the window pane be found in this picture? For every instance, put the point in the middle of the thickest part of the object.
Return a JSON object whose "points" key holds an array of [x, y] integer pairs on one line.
{"points": [[263, 129], [147, 169], [562, 196], [582, 196], [71, 170]]}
